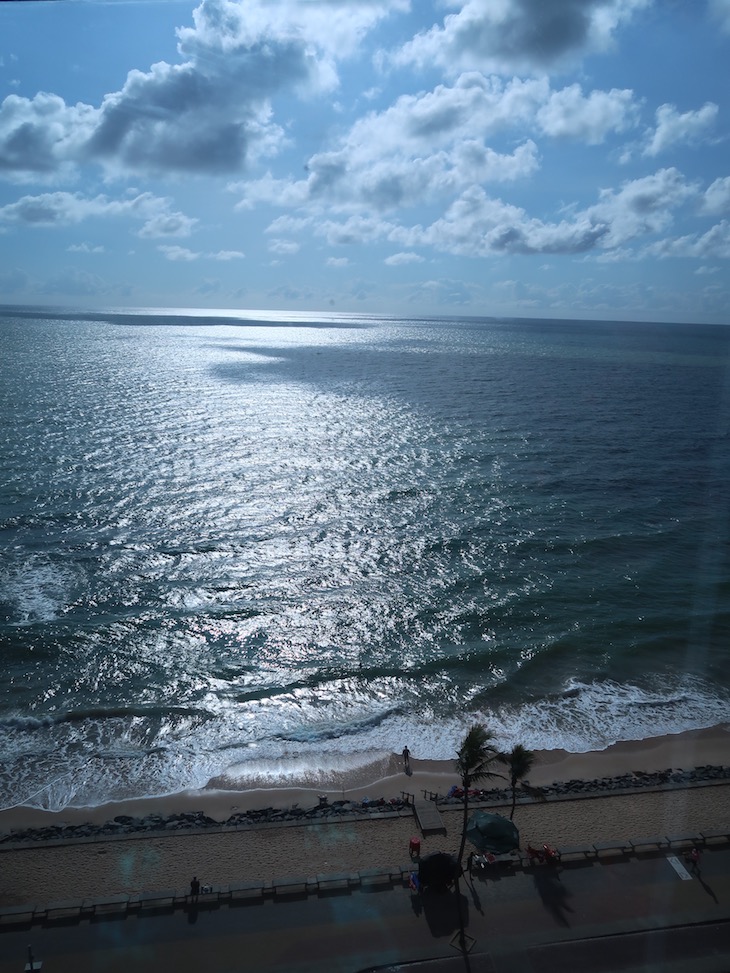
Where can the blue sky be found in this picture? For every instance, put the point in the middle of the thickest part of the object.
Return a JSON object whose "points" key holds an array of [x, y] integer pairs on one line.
{"points": [[539, 158]]}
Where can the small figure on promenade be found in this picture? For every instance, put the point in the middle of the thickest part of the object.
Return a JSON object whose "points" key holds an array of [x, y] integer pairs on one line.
{"points": [[194, 888], [406, 760], [470, 862], [694, 860]]}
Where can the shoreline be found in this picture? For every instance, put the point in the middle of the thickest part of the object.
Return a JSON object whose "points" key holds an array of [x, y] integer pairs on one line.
{"points": [[154, 857], [686, 750]]}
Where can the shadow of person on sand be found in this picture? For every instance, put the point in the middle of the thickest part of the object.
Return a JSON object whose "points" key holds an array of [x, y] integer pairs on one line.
{"points": [[553, 893]]}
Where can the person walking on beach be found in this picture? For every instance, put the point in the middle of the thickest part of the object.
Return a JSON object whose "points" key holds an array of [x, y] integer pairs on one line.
{"points": [[406, 760], [194, 888]]}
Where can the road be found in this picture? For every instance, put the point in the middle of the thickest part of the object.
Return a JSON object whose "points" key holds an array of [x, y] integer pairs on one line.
{"points": [[635, 914]]}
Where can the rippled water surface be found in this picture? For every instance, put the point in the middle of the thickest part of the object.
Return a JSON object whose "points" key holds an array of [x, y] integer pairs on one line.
{"points": [[252, 549]]}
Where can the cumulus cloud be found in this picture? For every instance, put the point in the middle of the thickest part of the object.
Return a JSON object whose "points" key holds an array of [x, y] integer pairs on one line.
{"points": [[434, 145], [398, 259], [178, 253], [64, 209], [689, 127], [226, 255], [518, 35], [42, 136], [283, 246], [641, 206], [209, 114], [421, 148], [571, 114], [717, 197], [477, 224], [186, 255], [168, 224], [713, 244]]}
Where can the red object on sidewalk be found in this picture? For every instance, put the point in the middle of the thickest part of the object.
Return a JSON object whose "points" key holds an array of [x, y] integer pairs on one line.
{"points": [[414, 846]]}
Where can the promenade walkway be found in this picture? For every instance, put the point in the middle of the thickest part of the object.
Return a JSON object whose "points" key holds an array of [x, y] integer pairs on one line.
{"points": [[630, 912]]}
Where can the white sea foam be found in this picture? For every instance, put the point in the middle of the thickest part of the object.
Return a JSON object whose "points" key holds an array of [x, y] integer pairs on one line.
{"points": [[72, 770], [37, 589]]}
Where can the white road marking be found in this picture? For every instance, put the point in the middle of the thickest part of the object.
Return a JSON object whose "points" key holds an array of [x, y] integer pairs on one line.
{"points": [[679, 868]]}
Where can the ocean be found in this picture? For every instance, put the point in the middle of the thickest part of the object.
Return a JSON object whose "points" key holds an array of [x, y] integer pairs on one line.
{"points": [[250, 548]]}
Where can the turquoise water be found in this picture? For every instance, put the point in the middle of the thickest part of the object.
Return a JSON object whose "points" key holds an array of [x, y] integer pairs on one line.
{"points": [[273, 549]]}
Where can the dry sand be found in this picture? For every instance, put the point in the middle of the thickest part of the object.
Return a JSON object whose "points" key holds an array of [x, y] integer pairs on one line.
{"points": [[106, 867]]}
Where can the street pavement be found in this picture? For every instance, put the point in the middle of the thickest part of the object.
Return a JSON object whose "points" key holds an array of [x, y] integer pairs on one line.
{"points": [[631, 914]]}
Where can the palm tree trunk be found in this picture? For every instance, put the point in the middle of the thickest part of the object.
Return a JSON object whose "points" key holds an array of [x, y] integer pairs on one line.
{"points": [[465, 822], [514, 799]]}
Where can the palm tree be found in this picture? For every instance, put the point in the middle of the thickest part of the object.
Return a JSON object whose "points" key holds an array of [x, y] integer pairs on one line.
{"points": [[472, 764], [519, 763]]}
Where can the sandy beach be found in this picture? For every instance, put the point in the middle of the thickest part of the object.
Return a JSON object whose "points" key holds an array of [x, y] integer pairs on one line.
{"points": [[161, 861]]}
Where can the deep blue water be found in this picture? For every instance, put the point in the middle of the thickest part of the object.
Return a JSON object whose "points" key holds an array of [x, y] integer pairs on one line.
{"points": [[246, 550]]}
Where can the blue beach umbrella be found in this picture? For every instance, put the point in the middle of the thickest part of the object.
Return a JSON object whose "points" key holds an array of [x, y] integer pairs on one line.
{"points": [[492, 832]]}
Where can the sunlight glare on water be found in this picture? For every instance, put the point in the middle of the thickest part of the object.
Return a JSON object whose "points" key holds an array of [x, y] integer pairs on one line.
{"points": [[231, 544]]}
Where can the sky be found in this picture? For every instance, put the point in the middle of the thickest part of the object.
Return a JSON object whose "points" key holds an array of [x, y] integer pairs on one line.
{"points": [[520, 158]]}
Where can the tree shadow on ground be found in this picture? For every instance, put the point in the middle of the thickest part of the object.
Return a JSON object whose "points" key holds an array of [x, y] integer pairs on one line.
{"points": [[553, 893], [445, 912]]}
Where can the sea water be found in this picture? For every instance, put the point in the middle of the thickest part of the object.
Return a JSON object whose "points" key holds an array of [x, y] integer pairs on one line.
{"points": [[273, 548]]}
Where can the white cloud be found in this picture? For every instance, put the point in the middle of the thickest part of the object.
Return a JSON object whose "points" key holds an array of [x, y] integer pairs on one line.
{"points": [[354, 230], [184, 254], [641, 206], [84, 248], [399, 259], [422, 148], [283, 246], [63, 209], [673, 128], [717, 197], [507, 36], [168, 224], [209, 114], [226, 255], [337, 262], [178, 253], [478, 225], [41, 137], [713, 244], [568, 113]]}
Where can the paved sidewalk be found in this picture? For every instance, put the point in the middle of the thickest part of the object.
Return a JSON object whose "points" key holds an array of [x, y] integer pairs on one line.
{"points": [[632, 914]]}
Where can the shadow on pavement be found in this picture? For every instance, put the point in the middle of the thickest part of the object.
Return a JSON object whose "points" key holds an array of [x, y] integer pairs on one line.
{"points": [[445, 912], [707, 889], [553, 893]]}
